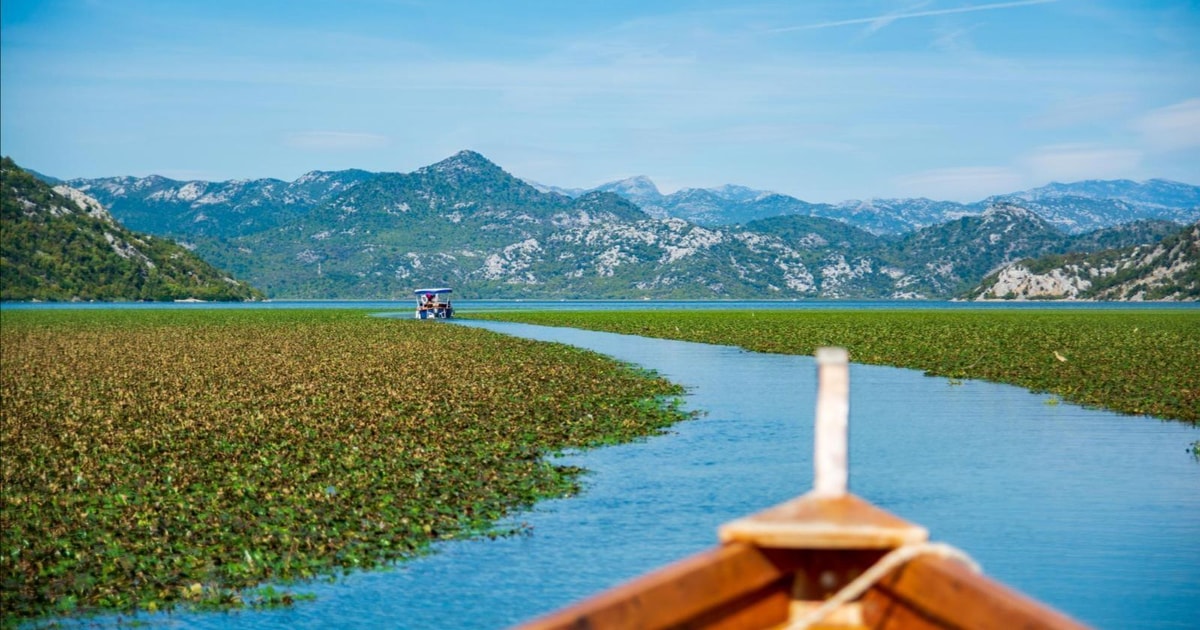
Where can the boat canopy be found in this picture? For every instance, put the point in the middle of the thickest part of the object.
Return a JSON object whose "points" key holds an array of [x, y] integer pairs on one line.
{"points": [[439, 290]]}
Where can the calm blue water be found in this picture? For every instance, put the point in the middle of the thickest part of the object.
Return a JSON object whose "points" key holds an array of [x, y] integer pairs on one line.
{"points": [[1094, 513], [467, 306]]}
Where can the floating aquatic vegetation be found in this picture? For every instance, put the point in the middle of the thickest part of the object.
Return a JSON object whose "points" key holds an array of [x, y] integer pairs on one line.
{"points": [[1136, 362], [159, 458]]}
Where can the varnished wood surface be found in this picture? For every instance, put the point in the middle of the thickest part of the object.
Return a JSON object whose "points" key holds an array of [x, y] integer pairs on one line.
{"points": [[733, 584], [821, 522], [931, 592], [740, 586]]}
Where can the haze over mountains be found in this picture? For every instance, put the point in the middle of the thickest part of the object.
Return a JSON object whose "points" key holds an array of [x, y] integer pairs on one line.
{"points": [[467, 223]]}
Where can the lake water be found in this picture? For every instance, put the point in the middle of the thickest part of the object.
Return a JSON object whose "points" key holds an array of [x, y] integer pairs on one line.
{"points": [[469, 305], [1095, 513]]}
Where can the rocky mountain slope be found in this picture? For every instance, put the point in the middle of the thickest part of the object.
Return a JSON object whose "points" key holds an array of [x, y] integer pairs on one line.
{"points": [[218, 209], [1166, 270], [60, 244], [466, 222]]}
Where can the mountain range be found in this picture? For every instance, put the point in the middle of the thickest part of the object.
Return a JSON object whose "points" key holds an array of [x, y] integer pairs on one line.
{"points": [[160, 205], [1074, 208], [467, 223]]}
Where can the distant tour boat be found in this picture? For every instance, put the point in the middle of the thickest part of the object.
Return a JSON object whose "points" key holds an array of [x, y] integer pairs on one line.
{"points": [[827, 559], [430, 305]]}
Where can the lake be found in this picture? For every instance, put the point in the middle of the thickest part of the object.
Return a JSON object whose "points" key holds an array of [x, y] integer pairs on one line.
{"points": [[1094, 513], [465, 306]]}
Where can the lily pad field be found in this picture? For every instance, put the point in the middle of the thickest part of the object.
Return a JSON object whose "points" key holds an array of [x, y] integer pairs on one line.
{"points": [[162, 458], [154, 459], [1134, 362]]}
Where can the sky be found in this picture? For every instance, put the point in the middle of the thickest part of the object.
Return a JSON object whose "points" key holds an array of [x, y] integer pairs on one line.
{"points": [[824, 100]]}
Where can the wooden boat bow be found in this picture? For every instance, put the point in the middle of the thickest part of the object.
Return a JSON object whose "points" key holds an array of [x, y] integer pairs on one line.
{"points": [[782, 567]]}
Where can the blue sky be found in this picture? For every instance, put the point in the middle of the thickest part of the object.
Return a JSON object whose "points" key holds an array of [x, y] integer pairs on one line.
{"points": [[824, 100]]}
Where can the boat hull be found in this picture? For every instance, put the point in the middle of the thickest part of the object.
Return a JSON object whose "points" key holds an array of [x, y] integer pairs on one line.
{"points": [[739, 585]]}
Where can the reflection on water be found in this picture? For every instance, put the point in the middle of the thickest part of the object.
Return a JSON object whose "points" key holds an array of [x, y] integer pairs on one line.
{"points": [[1094, 513]]}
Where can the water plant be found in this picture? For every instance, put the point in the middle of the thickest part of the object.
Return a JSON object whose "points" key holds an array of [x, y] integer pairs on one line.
{"points": [[1135, 362], [162, 458]]}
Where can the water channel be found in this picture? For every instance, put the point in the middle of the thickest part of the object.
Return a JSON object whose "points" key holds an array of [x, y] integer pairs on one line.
{"points": [[1095, 513]]}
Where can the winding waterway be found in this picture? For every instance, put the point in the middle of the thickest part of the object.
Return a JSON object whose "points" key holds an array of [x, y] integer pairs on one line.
{"points": [[1094, 513]]}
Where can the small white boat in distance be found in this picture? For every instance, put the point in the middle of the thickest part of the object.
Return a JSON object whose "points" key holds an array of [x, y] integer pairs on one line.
{"points": [[430, 305]]}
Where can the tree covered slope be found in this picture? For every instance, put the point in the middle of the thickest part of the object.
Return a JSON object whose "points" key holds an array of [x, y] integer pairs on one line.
{"points": [[59, 244]]}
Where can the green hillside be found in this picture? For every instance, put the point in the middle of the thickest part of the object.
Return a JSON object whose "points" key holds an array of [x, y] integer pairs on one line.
{"points": [[58, 244]]}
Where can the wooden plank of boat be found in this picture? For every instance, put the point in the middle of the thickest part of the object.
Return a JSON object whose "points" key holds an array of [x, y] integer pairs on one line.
{"points": [[815, 521], [932, 592], [738, 585], [791, 566]]}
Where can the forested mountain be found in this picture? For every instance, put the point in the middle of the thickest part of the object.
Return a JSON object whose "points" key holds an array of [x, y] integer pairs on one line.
{"points": [[956, 253], [1166, 270], [59, 244], [1142, 232], [467, 223]]}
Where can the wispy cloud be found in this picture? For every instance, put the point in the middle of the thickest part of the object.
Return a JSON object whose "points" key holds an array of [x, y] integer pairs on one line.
{"points": [[969, 183], [1083, 110], [879, 21], [1173, 127], [335, 140], [1071, 162], [953, 41], [883, 21]]}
